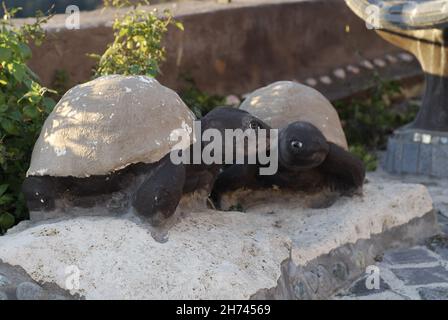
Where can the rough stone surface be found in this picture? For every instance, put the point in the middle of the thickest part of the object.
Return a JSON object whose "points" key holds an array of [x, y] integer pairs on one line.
{"points": [[439, 293], [324, 275], [16, 284], [416, 280], [386, 295], [30, 291], [4, 281], [414, 255], [437, 187], [109, 123], [212, 254], [420, 276], [360, 289], [415, 272]]}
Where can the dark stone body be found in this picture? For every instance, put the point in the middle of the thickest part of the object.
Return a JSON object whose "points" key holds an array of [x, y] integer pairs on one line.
{"points": [[312, 166], [153, 190]]}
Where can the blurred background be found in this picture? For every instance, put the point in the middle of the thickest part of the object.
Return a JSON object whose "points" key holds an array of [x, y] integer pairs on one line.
{"points": [[29, 7]]}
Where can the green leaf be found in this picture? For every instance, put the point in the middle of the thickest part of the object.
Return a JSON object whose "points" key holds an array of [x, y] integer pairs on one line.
{"points": [[18, 71], [31, 112], [179, 25], [5, 54], [25, 51], [15, 115], [48, 104], [32, 96], [6, 220], [3, 189], [9, 126], [6, 199]]}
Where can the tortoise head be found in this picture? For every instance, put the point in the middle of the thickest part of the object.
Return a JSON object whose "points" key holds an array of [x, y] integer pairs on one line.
{"points": [[302, 146], [226, 118]]}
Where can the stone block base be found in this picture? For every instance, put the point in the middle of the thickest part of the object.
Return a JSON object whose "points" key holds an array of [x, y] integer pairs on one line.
{"points": [[413, 151], [275, 249]]}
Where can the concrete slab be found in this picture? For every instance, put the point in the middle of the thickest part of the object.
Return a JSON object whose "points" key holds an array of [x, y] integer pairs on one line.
{"points": [[275, 250]]}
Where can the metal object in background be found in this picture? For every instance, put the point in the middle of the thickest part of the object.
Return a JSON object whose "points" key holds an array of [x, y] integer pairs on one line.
{"points": [[420, 27], [416, 14]]}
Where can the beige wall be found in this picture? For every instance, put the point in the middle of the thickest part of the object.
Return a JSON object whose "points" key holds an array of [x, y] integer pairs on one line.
{"points": [[231, 48]]}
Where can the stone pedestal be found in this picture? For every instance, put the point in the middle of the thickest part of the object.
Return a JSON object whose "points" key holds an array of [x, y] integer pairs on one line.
{"points": [[430, 47], [422, 29], [422, 146], [416, 151], [277, 249]]}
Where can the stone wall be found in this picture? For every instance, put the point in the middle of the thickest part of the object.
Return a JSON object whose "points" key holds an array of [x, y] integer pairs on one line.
{"points": [[227, 48]]}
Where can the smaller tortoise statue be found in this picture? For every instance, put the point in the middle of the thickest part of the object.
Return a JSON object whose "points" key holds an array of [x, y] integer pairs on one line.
{"points": [[107, 143], [312, 148]]}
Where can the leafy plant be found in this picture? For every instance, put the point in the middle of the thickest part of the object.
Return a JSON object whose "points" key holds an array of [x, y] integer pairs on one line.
{"points": [[369, 157], [199, 102], [137, 50], [137, 47], [368, 122], [24, 105]]}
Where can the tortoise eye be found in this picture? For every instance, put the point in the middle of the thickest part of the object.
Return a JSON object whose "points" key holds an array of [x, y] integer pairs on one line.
{"points": [[254, 125], [296, 144]]}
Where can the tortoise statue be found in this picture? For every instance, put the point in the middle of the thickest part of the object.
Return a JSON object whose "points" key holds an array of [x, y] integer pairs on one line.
{"points": [[108, 143], [312, 148]]}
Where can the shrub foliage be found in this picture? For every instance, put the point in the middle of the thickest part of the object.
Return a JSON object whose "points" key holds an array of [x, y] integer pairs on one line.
{"points": [[24, 105], [369, 121], [137, 48]]}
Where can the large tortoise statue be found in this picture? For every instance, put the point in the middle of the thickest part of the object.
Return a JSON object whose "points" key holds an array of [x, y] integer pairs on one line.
{"points": [[108, 143]]}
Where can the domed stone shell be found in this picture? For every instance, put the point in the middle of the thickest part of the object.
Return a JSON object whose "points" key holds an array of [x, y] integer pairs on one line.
{"points": [[284, 102], [106, 124]]}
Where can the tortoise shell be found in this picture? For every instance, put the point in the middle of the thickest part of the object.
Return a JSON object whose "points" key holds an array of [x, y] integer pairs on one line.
{"points": [[284, 102], [107, 124]]}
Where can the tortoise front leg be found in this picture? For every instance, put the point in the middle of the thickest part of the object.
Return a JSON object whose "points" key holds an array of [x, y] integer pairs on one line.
{"points": [[158, 196], [232, 178], [344, 172]]}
